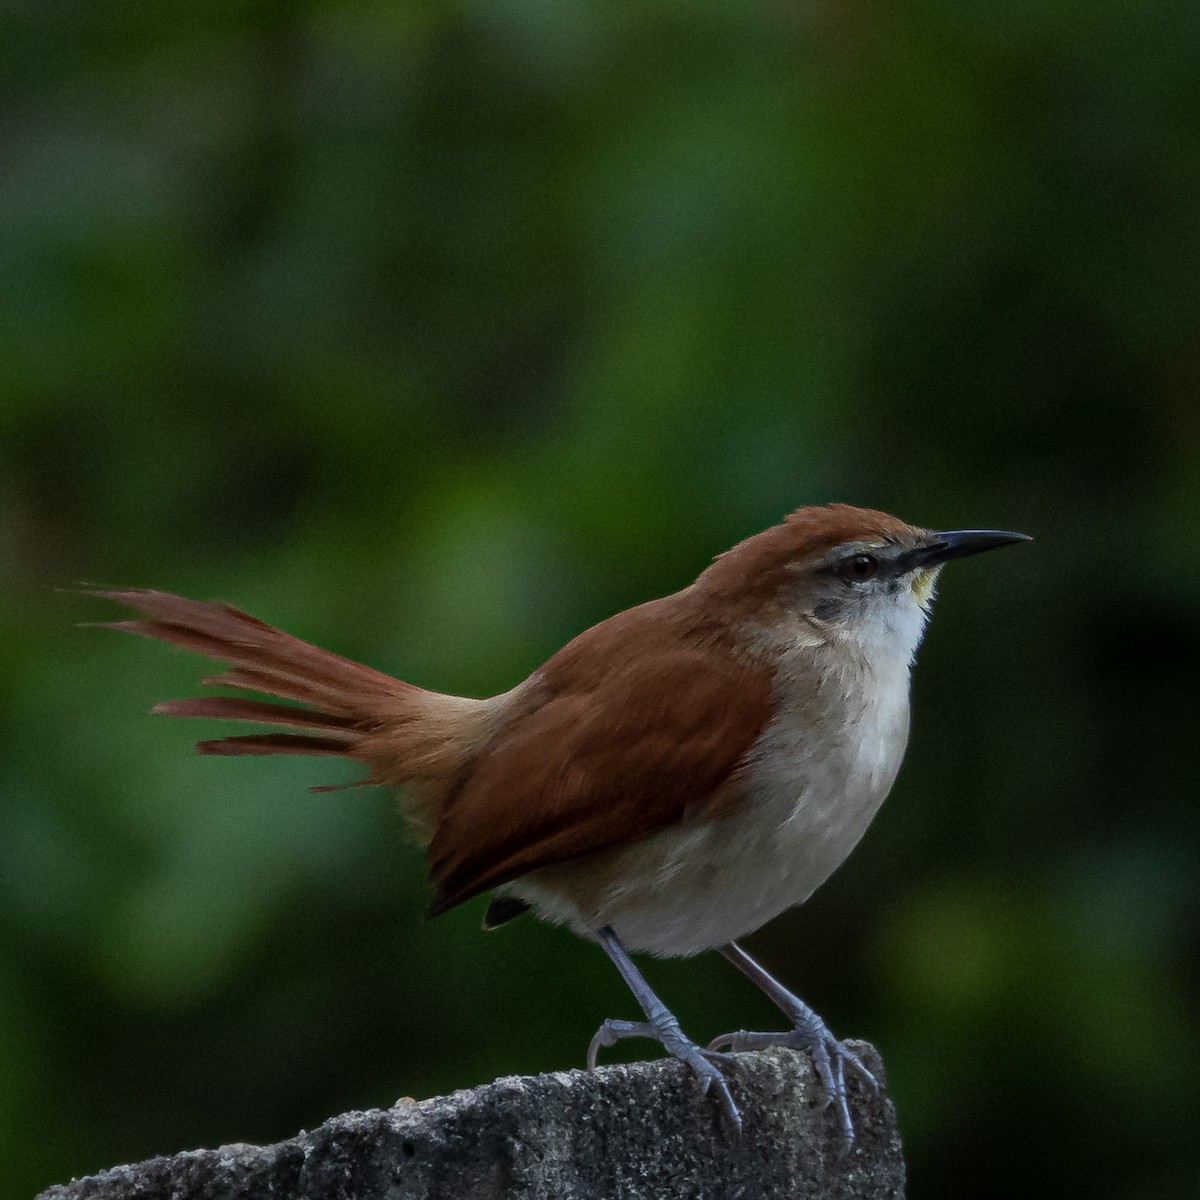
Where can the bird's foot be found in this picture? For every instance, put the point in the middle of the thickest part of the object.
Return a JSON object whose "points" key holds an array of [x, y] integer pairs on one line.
{"points": [[830, 1059], [709, 1065]]}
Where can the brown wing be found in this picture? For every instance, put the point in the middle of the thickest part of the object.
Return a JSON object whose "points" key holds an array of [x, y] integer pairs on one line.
{"points": [[624, 736]]}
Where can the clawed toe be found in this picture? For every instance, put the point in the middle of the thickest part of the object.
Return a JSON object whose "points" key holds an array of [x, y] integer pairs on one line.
{"points": [[848, 1056], [613, 1031], [712, 1078], [709, 1065], [737, 1042], [726, 1062], [830, 1059]]}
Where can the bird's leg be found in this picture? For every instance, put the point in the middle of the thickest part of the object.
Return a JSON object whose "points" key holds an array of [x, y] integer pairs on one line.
{"points": [[808, 1032], [661, 1025]]}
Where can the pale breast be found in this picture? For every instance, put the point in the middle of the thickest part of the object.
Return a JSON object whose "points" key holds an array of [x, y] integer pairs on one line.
{"points": [[813, 781], [809, 799]]}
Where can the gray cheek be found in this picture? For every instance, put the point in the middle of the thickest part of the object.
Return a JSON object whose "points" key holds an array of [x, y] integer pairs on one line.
{"points": [[830, 609]]}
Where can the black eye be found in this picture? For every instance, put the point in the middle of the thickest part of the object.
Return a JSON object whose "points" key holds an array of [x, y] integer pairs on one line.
{"points": [[856, 568]]}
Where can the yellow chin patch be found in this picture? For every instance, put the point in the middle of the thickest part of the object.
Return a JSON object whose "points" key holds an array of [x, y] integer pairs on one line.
{"points": [[924, 584]]}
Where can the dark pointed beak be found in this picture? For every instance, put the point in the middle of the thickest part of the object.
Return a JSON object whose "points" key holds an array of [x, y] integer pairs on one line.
{"points": [[958, 543]]}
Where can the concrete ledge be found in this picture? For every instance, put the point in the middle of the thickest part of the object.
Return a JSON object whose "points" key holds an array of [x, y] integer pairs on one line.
{"points": [[629, 1131]]}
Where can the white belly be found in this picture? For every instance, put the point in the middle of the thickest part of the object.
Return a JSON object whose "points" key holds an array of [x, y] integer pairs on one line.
{"points": [[810, 795], [698, 886]]}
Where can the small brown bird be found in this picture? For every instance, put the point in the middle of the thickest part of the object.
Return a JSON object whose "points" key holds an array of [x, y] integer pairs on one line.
{"points": [[669, 781]]}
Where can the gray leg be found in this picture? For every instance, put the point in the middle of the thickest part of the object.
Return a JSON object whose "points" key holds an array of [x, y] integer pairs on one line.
{"points": [[808, 1032], [662, 1026]]}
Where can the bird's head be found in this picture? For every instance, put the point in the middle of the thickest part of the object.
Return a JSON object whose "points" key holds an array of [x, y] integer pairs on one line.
{"points": [[848, 572]]}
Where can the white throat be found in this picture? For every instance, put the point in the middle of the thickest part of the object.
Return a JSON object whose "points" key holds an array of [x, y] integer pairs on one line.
{"points": [[888, 633]]}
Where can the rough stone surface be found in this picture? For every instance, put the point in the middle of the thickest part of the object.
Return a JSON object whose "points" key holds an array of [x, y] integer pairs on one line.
{"points": [[630, 1131]]}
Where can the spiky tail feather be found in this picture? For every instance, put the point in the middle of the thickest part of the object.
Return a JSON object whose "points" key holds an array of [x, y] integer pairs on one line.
{"points": [[341, 697], [402, 732]]}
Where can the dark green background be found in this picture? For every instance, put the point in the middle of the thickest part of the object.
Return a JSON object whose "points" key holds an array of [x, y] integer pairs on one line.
{"points": [[435, 332]]}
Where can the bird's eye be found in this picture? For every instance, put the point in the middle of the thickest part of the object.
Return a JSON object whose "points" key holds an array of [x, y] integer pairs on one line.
{"points": [[857, 568]]}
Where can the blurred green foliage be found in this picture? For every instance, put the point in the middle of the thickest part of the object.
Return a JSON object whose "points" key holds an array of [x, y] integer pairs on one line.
{"points": [[435, 332]]}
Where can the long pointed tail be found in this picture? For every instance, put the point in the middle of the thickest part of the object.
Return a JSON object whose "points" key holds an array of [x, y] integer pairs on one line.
{"points": [[402, 732], [342, 699]]}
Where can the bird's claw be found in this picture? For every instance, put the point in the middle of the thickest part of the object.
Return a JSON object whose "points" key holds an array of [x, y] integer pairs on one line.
{"points": [[708, 1064], [826, 1047], [829, 1056]]}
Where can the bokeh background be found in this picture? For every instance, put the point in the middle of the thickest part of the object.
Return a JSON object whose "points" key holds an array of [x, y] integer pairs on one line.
{"points": [[437, 331]]}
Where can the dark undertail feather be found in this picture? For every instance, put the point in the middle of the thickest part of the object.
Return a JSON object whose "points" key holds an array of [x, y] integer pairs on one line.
{"points": [[273, 743], [231, 708], [503, 909]]}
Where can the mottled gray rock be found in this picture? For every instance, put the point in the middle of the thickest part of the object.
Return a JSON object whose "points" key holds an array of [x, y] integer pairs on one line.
{"points": [[636, 1131]]}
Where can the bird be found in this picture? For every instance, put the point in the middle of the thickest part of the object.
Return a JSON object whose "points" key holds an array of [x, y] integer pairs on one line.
{"points": [[670, 780]]}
